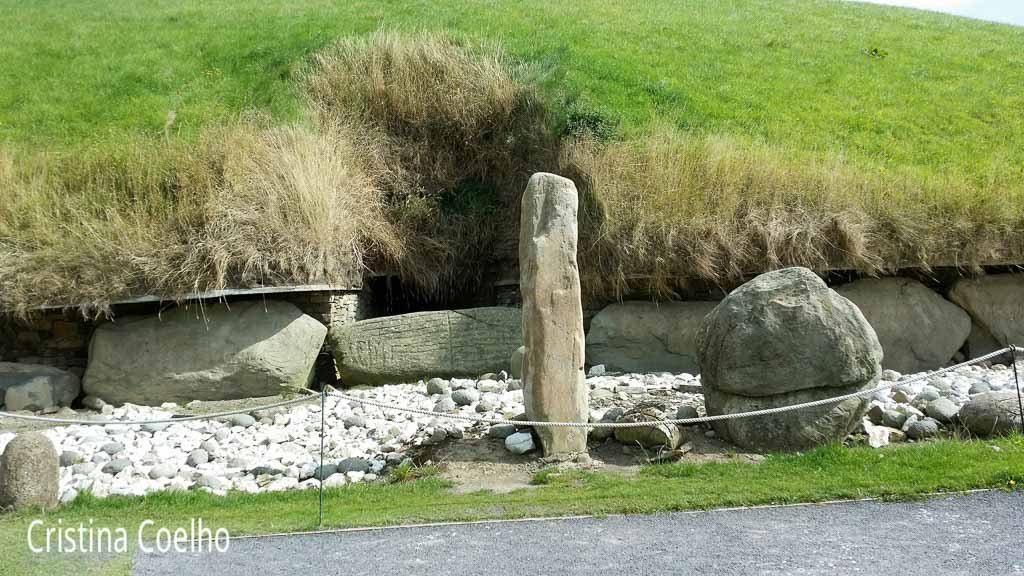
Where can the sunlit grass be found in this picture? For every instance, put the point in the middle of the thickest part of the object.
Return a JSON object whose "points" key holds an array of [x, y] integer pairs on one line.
{"points": [[827, 473]]}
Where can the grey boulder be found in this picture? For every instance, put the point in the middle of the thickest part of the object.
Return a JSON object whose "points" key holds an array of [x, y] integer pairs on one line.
{"points": [[115, 466], [465, 396], [943, 410], [29, 473], [647, 337], [445, 404], [36, 387], [781, 339], [894, 419], [438, 386], [501, 431], [992, 413], [917, 328], [652, 436], [923, 429], [995, 304], [251, 349], [354, 465]]}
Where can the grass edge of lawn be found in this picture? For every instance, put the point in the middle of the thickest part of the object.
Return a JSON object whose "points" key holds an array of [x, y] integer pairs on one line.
{"points": [[828, 473]]}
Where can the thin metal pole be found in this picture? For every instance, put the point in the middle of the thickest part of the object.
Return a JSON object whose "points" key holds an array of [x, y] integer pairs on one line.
{"points": [[1016, 379], [320, 471]]}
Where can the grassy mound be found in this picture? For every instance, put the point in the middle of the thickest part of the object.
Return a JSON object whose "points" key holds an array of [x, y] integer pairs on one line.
{"points": [[217, 145], [670, 206]]}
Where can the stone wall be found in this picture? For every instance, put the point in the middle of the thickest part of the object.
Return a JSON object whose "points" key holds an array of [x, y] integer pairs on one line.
{"points": [[329, 307], [60, 338], [922, 323], [52, 338]]}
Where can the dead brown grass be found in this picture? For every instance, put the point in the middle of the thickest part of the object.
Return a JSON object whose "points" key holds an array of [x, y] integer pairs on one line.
{"points": [[667, 206], [247, 206], [455, 131], [413, 160]]}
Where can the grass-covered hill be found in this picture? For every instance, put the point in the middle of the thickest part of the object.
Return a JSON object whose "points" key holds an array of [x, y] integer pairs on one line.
{"points": [[165, 147]]}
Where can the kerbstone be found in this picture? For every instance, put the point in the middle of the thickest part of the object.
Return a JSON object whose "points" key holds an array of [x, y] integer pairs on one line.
{"points": [[918, 329], [253, 349], [995, 304], [443, 343], [36, 387], [647, 337]]}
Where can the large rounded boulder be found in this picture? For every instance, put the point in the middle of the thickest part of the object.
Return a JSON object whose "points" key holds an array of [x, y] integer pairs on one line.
{"points": [[786, 338], [992, 413]]}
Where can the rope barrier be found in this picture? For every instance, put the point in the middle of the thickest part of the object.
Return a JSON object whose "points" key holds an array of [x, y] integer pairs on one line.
{"points": [[493, 421], [679, 421], [309, 396]]}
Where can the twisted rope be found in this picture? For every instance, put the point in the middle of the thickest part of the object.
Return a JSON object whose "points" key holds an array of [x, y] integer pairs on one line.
{"points": [[677, 421], [47, 419], [493, 421]]}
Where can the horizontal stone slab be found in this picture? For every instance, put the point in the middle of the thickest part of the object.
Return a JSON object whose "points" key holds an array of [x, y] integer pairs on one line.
{"points": [[408, 347]]}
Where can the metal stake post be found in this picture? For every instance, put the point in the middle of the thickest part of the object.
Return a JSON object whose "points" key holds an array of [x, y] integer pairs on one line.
{"points": [[1016, 379], [320, 471]]}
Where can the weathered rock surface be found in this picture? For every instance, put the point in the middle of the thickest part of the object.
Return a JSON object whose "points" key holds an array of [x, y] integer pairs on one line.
{"points": [[991, 413], [516, 370], [29, 473], [917, 328], [36, 387], [793, 430], [923, 429], [995, 304], [520, 443], [252, 349], [553, 379], [943, 410], [647, 337], [785, 338], [653, 436], [443, 343]]}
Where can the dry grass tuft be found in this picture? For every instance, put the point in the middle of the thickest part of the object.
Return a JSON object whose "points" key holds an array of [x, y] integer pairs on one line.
{"points": [[668, 206], [297, 205], [419, 150], [454, 132], [246, 206]]}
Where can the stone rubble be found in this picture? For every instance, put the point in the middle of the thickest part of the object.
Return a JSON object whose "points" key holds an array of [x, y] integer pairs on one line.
{"points": [[278, 449]]}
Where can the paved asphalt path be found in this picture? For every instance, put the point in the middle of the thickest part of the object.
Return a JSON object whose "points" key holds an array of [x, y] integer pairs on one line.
{"points": [[975, 534]]}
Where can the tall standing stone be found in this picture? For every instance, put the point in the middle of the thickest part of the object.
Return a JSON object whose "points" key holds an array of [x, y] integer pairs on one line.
{"points": [[553, 380]]}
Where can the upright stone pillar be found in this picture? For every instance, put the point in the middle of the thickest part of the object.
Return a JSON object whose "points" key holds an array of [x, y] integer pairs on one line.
{"points": [[29, 473], [553, 381]]}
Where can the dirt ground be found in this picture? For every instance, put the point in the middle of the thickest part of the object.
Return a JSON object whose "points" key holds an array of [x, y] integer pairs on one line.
{"points": [[481, 463]]}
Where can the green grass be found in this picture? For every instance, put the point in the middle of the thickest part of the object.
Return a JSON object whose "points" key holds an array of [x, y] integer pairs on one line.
{"points": [[943, 98], [165, 148], [830, 472]]}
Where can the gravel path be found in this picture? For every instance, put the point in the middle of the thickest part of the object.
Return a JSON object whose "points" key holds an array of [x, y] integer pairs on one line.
{"points": [[972, 534]]}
